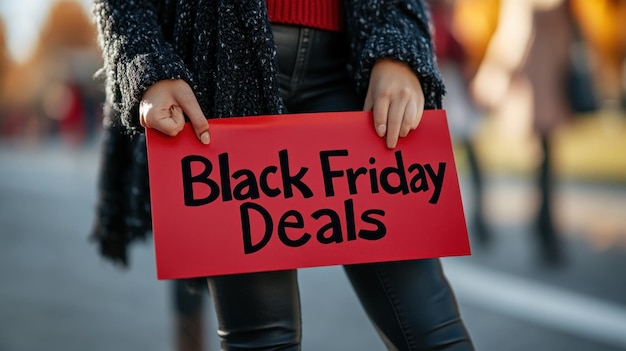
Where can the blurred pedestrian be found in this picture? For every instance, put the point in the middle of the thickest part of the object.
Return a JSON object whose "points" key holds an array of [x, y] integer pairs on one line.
{"points": [[166, 61], [529, 57]]}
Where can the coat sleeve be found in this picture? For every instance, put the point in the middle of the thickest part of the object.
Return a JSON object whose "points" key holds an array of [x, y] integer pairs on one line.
{"points": [[135, 54], [397, 29]]}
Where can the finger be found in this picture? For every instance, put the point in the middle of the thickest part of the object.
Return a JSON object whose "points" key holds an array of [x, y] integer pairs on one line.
{"points": [[176, 114], [380, 122], [144, 108], [191, 108], [394, 122], [380, 112], [410, 119], [369, 101], [169, 126], [164, 121], [419, 112]]}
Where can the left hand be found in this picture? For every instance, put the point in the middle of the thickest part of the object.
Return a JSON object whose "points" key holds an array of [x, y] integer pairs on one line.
{"points": [[396, 97]]}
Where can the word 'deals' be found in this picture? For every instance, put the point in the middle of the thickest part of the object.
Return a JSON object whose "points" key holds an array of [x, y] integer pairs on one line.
{"points": [[292, 191]]}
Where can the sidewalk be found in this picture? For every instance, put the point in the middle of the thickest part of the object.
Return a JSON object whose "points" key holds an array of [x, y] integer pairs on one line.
{"points": [[58, 294]]}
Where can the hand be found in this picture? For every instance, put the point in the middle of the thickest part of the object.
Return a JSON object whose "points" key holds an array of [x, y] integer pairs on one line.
{"points": [[490, 85], [395, 95], [164, 106]]}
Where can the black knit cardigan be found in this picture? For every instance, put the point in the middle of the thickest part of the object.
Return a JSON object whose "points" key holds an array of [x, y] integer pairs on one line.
{"points": [[224, 49]]}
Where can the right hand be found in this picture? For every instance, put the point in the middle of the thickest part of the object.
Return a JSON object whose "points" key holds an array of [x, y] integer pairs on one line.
{"points": [[164, 106]]}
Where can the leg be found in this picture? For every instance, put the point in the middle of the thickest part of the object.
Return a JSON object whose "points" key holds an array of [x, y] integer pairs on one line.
{"points": [[548, 239], [257, 311], [480, 224], [411, 305], [189, 317]]}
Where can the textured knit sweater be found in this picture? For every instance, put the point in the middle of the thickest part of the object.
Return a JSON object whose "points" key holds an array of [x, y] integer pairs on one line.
{"points": [[224, 49]]}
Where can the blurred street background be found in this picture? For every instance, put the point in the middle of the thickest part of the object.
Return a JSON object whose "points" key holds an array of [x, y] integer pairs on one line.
{"points": [[545, 197]]}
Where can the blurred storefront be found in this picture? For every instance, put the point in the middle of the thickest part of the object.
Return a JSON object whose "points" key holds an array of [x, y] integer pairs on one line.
{"points": [[52, 93]]}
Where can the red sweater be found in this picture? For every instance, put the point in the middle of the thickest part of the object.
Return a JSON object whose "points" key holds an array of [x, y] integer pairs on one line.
{"points": [[321, 14]]}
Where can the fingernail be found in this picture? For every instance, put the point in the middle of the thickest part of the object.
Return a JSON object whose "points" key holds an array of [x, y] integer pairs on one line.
{"points": [[204, 138], [381, 129]]}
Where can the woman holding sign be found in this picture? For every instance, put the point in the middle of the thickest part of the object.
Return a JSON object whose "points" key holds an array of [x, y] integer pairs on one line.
{"points": [[170, 61]]}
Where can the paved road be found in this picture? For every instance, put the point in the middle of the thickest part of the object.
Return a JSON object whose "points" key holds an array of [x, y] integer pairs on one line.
{"points": [[57, 294]]}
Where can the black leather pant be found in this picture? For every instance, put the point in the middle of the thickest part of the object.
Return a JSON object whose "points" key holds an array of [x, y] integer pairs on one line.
{"points": [[410, 302]]}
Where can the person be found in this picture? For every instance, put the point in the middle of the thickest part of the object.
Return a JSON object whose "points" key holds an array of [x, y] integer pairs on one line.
{"points": [[534, 72], [167, 62], [457, 64]]}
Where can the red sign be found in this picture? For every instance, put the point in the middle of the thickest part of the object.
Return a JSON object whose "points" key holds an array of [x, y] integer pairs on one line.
{"points": [[293, 191]]}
